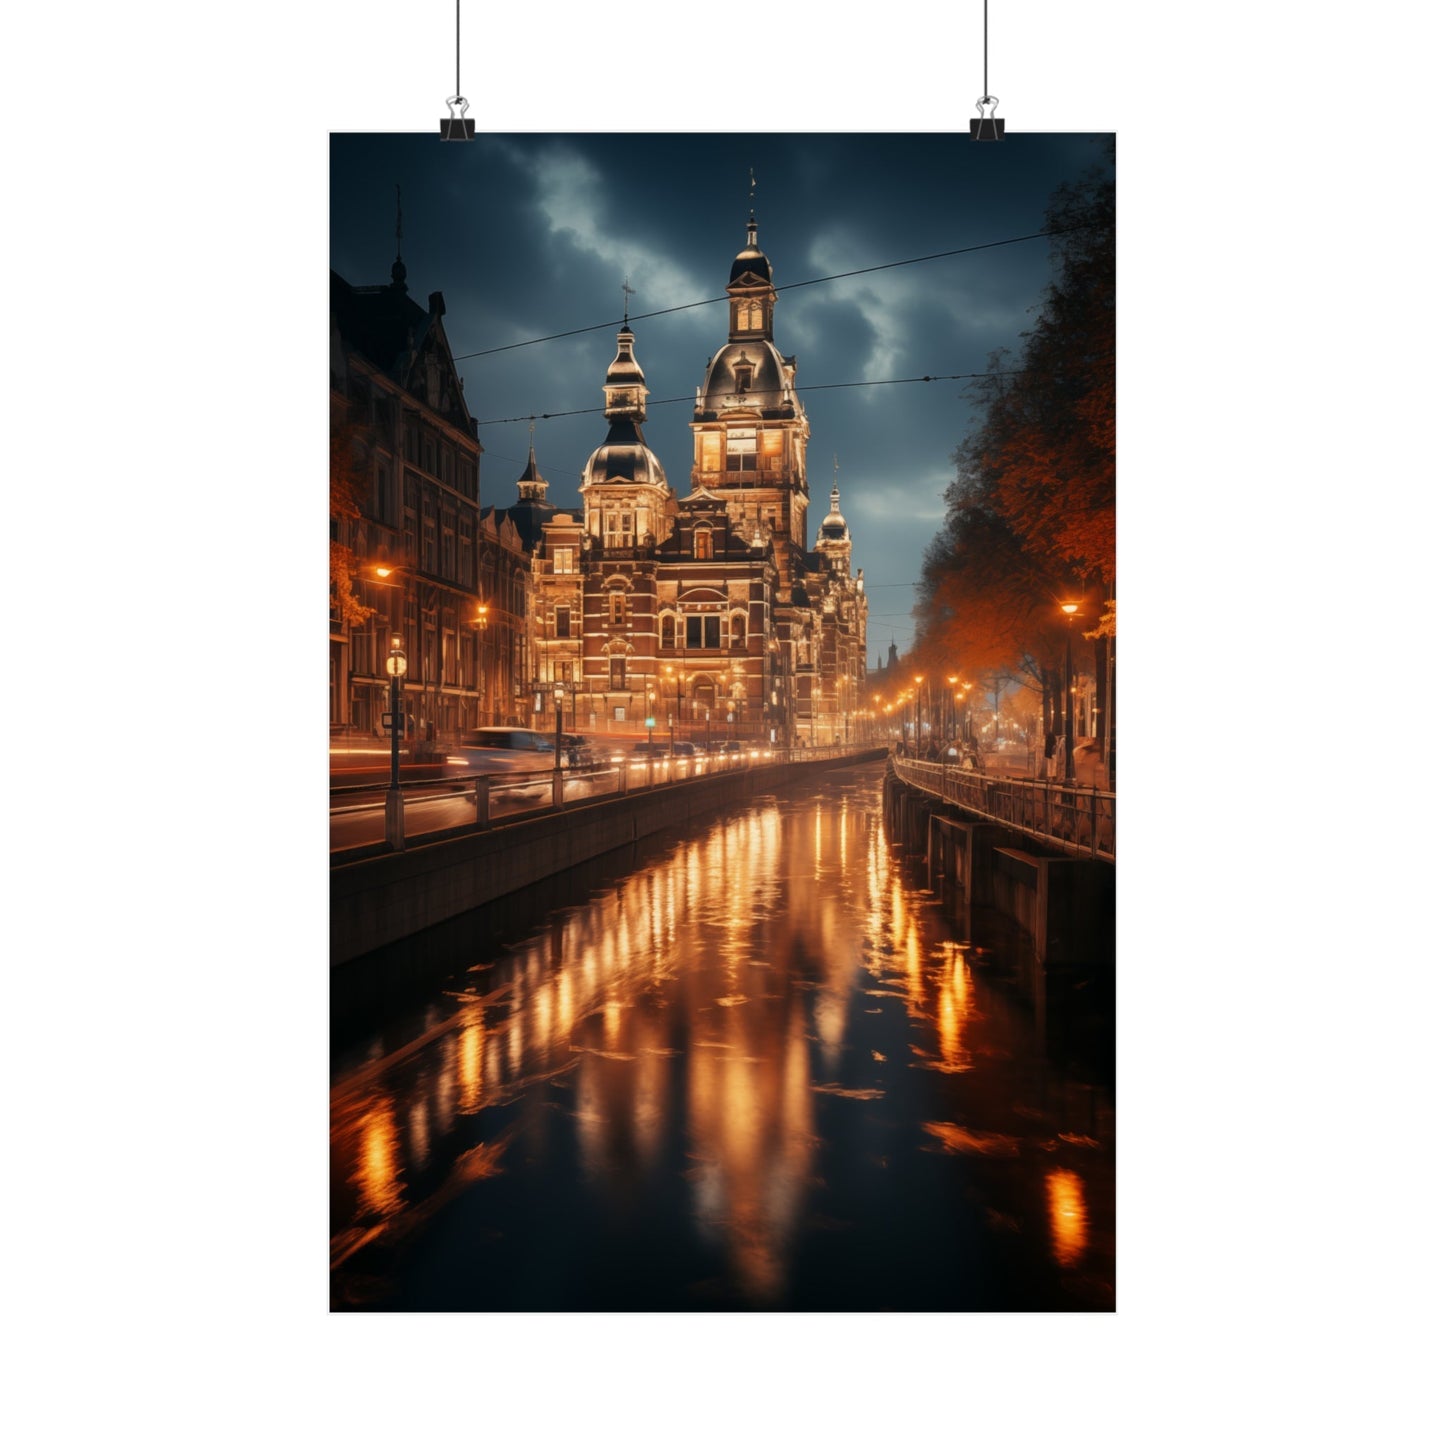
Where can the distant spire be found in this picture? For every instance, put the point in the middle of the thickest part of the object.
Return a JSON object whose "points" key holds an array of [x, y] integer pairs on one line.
{"points": [[398, 270], [531, 485], [752, 211]]}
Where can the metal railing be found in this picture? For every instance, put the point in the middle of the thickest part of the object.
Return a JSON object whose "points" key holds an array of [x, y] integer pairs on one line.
{"points": [[1079, 820], [471, 800]]}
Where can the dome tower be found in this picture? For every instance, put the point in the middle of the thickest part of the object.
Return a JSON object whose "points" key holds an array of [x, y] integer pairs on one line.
{"points": [[750, 433]]}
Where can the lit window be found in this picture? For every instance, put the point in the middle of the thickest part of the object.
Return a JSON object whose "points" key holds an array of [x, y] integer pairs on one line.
{"points": [[743, 450], [772, 451], [702, 544]]}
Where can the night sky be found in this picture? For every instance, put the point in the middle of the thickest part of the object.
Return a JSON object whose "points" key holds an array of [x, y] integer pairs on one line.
{"points": [[529, 235]]}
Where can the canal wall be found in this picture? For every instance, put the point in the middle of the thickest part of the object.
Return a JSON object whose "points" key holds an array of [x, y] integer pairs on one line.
{"points": [[379, 901], [1065, 905]]}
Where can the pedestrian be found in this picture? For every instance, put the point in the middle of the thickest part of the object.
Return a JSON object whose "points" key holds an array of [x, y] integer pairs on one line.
{"points": [[1051, 745]]}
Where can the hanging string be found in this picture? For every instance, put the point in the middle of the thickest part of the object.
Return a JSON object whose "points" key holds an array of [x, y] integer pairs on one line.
{"points": [[986, 127], [454, 127], [459, 45]]}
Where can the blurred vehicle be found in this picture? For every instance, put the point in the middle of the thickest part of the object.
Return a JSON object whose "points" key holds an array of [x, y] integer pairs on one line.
{"points": [[731, 747], [501, 750], [578, 750], [684, 750], [649, 749]]}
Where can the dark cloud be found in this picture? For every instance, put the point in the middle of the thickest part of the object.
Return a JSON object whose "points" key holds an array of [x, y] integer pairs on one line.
{"points": [[527, 235]]}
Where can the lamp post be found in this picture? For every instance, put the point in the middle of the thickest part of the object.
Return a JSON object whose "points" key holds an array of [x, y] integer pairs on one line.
{"points": [[480, 623], [1068, 609], [918, 716], [559, 696], [396, 670], [651, 724]]}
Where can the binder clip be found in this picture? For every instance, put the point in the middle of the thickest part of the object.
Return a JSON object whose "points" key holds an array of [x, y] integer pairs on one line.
{"points": [[458, 127], [986, 127]]}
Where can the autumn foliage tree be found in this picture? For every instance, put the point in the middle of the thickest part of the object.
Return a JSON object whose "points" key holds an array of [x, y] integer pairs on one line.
{"points": [[1030, 517]]}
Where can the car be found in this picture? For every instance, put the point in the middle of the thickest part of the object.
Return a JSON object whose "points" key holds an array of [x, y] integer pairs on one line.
{"points": [[684, 750], [732, 747], [650, 749], [501, 750]]}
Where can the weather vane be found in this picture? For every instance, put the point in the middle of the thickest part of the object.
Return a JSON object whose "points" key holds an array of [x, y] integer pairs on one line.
{"points": [[752, 186], [627, 291]]}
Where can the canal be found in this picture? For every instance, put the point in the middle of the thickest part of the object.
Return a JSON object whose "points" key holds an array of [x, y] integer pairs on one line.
{"points": [[765, 1069]]}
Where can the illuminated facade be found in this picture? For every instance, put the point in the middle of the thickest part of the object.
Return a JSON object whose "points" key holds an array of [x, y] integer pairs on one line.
{"points": [[709, 613], [405, 446]]}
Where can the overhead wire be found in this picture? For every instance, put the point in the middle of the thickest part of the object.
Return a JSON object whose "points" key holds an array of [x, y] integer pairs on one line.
{"points": [[818, 386], [789, 286]]}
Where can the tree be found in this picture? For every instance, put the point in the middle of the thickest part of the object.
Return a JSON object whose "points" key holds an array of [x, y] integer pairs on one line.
{"points": [[1031, 513]]}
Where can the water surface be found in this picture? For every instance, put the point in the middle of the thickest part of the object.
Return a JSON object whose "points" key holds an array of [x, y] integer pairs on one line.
{"points": [[764, 1071]]}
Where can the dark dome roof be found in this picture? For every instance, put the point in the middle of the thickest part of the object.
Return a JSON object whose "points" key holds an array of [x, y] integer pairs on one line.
{"points": [[751, 261], [624, 455], [765, 387]]}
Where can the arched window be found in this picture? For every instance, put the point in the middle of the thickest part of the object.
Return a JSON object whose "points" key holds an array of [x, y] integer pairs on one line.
{"points": [[702, 544], [740, 630], [669, 630], [617, 606]]}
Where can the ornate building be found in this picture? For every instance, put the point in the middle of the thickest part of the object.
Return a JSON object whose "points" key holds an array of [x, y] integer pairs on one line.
{"points": [[710, 612]]}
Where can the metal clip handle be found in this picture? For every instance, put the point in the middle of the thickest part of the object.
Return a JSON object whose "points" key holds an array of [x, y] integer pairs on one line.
{"points": [[461, 100]]}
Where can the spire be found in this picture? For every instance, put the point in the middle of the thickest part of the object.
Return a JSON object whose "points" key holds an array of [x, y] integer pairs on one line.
{"points": [[625, 387], [531, 486], [398, 270], [627, 294]]}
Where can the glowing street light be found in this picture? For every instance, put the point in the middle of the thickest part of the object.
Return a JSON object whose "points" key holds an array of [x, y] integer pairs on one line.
{"points": [[396, 670], [1068, 609], [559, 696]]}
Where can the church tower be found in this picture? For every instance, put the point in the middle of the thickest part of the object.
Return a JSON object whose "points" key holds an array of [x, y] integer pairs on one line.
{"points": [[625, 494], [750, 434], [628, 509]]}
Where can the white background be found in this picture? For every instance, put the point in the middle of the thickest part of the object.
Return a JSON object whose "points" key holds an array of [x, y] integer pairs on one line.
{"points": [[164, 255]]}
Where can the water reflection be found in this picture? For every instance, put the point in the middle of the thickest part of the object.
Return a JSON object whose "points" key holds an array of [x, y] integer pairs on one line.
{"points": [[761, 1050], [1068, 1217]]}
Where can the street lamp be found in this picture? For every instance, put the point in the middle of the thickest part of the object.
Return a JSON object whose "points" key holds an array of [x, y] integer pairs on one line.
{"points": [[396, 670], [1068, 609], [918, 716], [677, 709], [559, 696]]}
